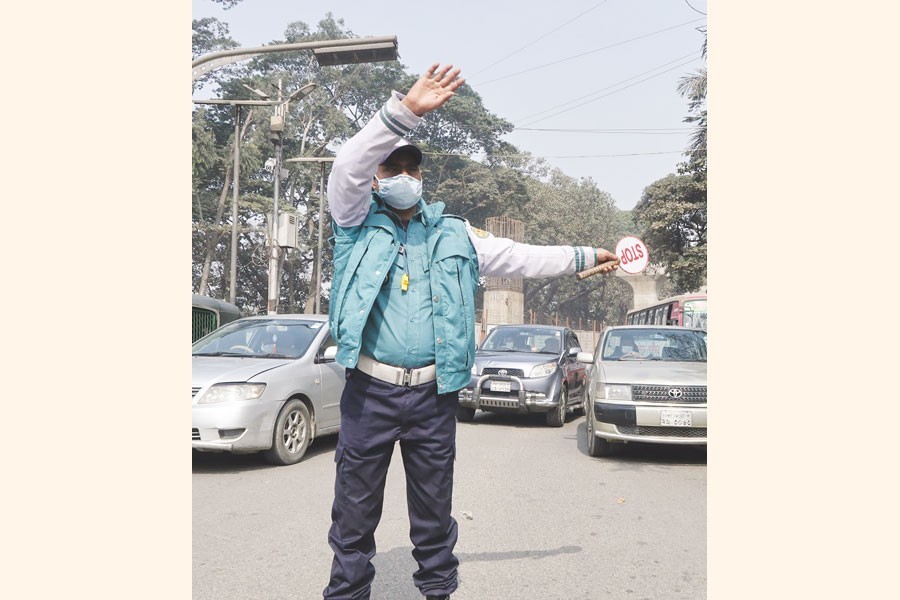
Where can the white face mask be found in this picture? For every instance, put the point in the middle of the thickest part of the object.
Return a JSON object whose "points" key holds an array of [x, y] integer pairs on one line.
{"points": [[400, 191]]}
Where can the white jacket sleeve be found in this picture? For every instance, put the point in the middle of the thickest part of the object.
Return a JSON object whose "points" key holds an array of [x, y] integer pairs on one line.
{"points": [[350, 181], [502, 257]]}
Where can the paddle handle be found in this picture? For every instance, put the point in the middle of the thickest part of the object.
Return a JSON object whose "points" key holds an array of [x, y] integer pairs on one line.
{"points": [[596, 269]]}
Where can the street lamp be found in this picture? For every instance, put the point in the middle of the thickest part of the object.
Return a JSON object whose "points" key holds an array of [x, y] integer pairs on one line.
{"points": [[340, 52], [232, 289], [322, 160], [357, 53]]}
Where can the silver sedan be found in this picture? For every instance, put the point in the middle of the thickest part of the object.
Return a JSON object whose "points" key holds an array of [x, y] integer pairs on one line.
{"points": [[646, 383], [265, 384]]}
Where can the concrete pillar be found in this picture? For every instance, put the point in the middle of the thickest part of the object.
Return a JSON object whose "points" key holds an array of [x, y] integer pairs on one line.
{"points": [[504, 297], [645, 287]]}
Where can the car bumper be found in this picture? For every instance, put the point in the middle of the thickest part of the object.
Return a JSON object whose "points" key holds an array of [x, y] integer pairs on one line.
{"points": [[539, 394], [651, 423], [238, 427]]}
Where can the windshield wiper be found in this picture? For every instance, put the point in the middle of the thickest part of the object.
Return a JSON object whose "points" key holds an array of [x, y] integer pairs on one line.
{"points": [[223, 354]]}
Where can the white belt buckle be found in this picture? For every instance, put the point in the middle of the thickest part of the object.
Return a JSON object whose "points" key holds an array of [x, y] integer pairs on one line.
{"points": [[407, 377]]}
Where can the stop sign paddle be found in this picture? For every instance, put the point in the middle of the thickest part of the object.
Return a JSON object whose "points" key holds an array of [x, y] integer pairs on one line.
{"points": [[633, 255]]}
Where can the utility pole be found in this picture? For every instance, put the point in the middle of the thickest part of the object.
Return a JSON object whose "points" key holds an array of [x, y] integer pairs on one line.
{"points": [[232, 284], [238, 104], [319, 245], [276, 134]]}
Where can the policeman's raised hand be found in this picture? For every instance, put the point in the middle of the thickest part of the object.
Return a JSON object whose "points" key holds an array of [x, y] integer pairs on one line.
{"points": [[433, 89]]}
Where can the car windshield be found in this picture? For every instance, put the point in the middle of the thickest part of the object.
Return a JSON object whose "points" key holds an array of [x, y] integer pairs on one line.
{"points": [[523, 339], [265, 338], [655, 344]]}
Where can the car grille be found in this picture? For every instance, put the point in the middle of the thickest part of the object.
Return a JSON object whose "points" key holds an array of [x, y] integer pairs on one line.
{"points": [[494, 371], [693, 394], [194, 391], [195, 434], [682, 432]]}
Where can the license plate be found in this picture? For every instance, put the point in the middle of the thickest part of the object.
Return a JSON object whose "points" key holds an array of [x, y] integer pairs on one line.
{"points": [[500, 386], [675, 418]]}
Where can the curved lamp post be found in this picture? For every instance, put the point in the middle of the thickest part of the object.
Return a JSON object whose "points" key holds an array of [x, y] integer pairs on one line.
{"points": [[328, 52]]}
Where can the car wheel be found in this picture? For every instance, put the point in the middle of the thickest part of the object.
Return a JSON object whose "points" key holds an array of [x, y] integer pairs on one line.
{"points": [[293, 431], [465, 414], [557, 417], [595, 446]]}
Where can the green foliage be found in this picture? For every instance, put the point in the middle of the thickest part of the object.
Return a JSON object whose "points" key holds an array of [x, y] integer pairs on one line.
{"points": [[693, 87], [673, 219], [210, 35]]}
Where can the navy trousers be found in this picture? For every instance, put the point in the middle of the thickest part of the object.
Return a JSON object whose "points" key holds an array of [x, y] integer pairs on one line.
{"points": [[375, 415]]}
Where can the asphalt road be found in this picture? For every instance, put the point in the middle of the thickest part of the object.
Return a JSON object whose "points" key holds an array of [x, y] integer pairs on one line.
{"points": [[539, 519]]}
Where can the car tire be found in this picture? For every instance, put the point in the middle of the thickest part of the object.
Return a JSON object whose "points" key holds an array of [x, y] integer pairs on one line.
{"points": [[465, 414], [557, 416], [595, 446], [292, 434]]}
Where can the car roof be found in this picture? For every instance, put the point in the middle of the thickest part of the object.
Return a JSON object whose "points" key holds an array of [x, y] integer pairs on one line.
{"points": [[672, 327], [290, 316], [529, 326]]}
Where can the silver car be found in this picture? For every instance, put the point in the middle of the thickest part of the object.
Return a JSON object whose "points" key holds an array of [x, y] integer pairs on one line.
{"points": [[525, 369], [265, 383], [646, 383]]}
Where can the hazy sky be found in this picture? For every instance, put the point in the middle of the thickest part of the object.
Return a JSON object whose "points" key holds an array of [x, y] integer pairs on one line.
{"points": [[584, 69]]}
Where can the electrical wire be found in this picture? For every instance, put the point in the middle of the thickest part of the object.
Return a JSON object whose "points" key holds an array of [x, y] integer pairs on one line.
{"points": [[690, 54], [694, 9], [556, 62], [527, 155], [668, 131], [678, 66], [529, 44]]}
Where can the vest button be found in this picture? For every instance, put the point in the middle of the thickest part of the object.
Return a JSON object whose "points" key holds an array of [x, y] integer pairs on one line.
{"points": [[440, 341], [436, 298]]}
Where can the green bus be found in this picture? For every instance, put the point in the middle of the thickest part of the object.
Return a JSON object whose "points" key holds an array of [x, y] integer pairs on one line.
{"points": [[210, 314]]}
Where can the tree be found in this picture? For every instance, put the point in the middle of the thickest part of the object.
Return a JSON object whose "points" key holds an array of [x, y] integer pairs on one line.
{"points": [[693, 88], [210, 35], [672, 216]]}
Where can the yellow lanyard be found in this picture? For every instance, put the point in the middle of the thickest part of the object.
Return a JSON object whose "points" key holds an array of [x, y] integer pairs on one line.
{"points": [[404, 281]]}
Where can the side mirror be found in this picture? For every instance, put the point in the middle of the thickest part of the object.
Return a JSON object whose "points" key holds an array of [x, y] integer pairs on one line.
{"points": [[585, 357], [328, 355], [574, 350]]}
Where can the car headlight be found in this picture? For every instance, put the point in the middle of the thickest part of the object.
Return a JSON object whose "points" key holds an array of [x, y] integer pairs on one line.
{"points": [[614, 392], [543, 370], [231, 392]]}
